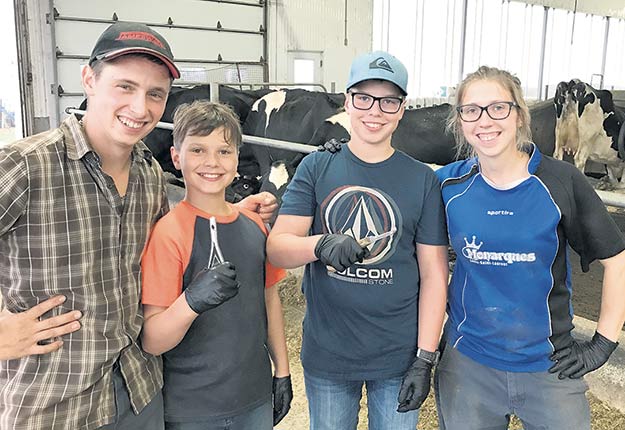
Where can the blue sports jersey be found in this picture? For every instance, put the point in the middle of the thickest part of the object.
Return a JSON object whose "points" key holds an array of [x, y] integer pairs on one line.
{"points": [[362, 323], [509, 302]]}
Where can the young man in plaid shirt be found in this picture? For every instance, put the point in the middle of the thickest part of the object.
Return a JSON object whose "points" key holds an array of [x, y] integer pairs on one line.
{"points": [[76, 207]]}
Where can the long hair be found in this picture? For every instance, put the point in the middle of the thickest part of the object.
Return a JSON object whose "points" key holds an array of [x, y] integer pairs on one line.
{"points": [[510, 83]]}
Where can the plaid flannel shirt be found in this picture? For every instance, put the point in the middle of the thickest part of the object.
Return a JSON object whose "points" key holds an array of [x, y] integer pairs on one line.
{"points": [[64, 229]]}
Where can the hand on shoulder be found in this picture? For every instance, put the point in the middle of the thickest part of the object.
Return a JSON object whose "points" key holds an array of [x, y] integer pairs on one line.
{"points": [[264, 204]]}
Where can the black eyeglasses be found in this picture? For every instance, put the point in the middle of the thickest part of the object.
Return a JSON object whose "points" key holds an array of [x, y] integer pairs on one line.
{"points": [[497, 111], [364, 101]]}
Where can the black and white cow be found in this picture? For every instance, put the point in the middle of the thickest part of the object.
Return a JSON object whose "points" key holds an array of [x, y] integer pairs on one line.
{"points": [[289, 114], [420, 134], [159, 140], [314, 118], [590, 127]]}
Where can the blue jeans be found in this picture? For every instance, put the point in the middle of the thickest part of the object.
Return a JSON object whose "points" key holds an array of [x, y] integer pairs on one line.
{"points": [[259, 418], [472, 396], [334, 404], [151, 417]]}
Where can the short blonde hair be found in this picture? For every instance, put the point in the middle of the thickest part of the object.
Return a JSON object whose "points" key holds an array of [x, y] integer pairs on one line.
{"points": [[201, 118], [510, 83]]}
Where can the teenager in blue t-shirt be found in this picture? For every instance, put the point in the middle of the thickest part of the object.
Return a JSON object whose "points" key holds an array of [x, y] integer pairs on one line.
{"points": [[374, 312], [511, 212]]}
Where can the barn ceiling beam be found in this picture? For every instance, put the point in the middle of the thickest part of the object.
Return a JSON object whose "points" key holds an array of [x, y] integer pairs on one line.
{"points": [[611, 8], [260, 3]]}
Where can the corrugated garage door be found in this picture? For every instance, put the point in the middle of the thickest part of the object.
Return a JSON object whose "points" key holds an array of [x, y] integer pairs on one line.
{"points": [[212, 40]]}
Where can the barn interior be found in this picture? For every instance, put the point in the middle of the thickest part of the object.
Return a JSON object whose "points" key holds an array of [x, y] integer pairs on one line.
{"points": [[250, 53]]}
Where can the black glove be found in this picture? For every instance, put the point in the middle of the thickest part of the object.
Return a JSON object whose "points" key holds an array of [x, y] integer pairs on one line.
{"points": [[332, 145], [415, 386], [282, 396], [581, 357], [211, 287], [339, 251]]}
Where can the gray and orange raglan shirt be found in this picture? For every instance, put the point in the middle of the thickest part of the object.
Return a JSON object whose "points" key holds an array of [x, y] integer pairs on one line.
{"points": [[221, 367]]}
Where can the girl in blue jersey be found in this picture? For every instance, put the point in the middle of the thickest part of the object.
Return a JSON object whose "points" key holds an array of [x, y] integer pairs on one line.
{"points": [[511, 212]]}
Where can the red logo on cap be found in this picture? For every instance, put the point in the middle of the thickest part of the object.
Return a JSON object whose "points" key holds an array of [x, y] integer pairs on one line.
{"points": [[140, 35]]}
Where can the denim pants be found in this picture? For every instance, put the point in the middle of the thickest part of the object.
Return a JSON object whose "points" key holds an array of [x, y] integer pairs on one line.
{"points": [[259, 418], [334, 404], [151, 417], [472, 396]]}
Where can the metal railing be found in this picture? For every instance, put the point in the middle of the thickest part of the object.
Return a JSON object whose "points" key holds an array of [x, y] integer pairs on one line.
{"points": [[262, 141], [609, 198]]}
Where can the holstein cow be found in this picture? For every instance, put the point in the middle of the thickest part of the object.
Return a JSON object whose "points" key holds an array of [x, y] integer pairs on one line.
{"points": [[590, 127], [159, 141], [288, 114], [294, 115], [421, 133]]}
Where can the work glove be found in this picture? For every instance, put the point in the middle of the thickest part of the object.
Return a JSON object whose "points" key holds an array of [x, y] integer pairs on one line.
{"points": [[211, 287], [339, 251], [581, 357], [415, 386], [333, 146], [282, 396]]}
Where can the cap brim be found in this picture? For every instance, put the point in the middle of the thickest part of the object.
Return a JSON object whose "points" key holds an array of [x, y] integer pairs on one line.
{"points": [[173, 70], [377, 79]]}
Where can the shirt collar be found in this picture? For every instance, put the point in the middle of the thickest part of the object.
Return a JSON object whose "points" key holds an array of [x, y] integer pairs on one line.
{"points": [[532, 165], [78, 144], [535, 158]]}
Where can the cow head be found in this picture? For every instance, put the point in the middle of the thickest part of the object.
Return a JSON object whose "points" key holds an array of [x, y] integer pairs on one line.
{"points": [[336, 127], [241, 187], [562, 91]]}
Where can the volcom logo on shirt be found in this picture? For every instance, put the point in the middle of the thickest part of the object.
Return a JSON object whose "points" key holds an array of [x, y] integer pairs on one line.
{"points": [[473, 252], [362, 212]]}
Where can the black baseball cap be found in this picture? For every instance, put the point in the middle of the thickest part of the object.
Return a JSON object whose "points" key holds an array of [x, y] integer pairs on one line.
{"points": [[124, 38]]}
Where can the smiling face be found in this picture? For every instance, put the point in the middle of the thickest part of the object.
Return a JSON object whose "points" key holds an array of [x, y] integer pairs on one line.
{"points": [[490, 138], [373, 126], [126, 98], [208, 164]]}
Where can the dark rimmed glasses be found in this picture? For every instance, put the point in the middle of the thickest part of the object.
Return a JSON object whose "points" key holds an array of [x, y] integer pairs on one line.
{"points": [[364, 101], [497, 111]]}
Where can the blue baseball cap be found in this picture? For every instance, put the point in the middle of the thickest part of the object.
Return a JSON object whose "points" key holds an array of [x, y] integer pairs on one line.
{"points": [[378, 65]]}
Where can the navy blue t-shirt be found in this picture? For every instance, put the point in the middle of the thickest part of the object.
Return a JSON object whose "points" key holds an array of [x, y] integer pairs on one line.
{"points": [[509, 302], [362, 323]]}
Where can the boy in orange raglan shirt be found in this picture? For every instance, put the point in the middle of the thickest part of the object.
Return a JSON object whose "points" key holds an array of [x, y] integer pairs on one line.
{"points": [[214, 324]]}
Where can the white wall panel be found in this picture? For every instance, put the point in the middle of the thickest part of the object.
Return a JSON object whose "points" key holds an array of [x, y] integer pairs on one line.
{"points": [[318, 26], [188, 25]]}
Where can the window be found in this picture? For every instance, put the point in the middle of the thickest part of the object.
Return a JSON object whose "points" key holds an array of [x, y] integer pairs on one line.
{"points": [[10, 107], [426, 36]]}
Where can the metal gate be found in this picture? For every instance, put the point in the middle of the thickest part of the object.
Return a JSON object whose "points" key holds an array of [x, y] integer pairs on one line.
{"points": [[212, 40]]}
